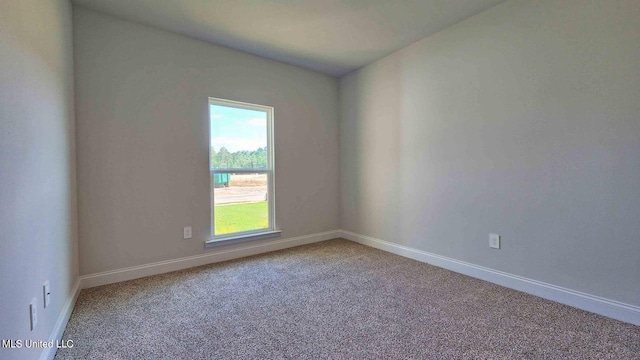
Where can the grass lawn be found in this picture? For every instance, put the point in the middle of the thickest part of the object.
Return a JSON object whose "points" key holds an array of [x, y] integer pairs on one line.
{"points": [[241, 217]]}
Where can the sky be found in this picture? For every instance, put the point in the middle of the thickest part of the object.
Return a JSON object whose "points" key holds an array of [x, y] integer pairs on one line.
{"points": [[237, 129]]}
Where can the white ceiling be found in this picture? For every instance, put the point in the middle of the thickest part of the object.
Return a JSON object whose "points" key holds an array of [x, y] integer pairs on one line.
{"points": [[330, 36]]}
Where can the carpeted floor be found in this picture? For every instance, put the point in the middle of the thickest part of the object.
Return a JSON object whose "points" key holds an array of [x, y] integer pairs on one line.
{"points": [[333, 300]]}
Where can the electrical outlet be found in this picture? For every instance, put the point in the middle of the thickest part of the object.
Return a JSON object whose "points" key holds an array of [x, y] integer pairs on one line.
{"points": [[187, 232], [46, 292], [33, 313], [494, 241]]}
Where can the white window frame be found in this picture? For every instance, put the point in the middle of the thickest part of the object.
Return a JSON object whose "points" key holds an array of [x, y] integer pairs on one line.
{"points": [[272, 230]]}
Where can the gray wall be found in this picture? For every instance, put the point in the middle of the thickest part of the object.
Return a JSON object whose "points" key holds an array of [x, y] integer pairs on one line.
{"points": [[523, 120], [142, 109], [37, 167]]}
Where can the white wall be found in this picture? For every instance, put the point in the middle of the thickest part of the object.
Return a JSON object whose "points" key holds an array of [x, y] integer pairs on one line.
{"points": [[37, 167], [142, 109], [523, 120]]}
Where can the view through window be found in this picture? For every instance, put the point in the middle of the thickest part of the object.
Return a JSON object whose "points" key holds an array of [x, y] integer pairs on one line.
{"points": [[241, 166]]}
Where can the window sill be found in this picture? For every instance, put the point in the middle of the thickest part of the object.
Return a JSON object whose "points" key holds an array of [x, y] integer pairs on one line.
{"points": [[234, 239]]}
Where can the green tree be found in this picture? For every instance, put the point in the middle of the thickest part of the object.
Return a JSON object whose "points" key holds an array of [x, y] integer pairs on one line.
{"points": [[224, 158], [214, 158], [243, 159]]}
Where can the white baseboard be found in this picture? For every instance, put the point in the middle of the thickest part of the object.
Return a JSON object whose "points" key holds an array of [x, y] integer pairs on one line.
{"points": [[61, 323], [596, 304], [216, 255]]}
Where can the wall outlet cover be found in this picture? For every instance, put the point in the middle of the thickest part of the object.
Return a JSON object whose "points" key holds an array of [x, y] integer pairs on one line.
{"points": [[33, 313], [494, 241], [46, 293]]}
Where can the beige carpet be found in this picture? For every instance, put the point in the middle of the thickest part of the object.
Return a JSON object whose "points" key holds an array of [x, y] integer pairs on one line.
{"points": [[333, 300]]}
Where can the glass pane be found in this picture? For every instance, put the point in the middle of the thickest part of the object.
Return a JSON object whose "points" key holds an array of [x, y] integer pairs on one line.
{"points": [[238, 138], [240, 202]]}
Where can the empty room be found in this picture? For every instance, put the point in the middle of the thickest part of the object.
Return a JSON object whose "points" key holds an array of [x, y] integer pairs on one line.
{"points": [[319, 179]]}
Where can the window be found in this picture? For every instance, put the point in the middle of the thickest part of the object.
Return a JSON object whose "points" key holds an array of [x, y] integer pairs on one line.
{"points": [[241, 167]]}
